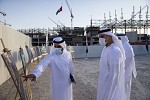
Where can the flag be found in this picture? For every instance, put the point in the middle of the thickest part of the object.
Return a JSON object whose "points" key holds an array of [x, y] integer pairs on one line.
{"points": [[59, 10]]}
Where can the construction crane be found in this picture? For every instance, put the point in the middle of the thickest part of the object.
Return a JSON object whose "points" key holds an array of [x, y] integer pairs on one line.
{"points": [[3, 13], [54, 22], [71, 15], [61, 23]]}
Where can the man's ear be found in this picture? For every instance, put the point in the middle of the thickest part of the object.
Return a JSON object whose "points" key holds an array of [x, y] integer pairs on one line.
{"points": [[106, 38]]}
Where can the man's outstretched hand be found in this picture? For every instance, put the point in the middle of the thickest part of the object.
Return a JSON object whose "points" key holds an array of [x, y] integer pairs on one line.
{"points": [[32, 77]]}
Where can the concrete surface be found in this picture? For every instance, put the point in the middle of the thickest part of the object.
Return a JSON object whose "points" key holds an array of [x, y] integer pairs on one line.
{"points": [[86, 75]]}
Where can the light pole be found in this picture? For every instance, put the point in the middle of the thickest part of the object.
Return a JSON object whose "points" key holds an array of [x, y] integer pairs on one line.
{"points": [[47, 43]]}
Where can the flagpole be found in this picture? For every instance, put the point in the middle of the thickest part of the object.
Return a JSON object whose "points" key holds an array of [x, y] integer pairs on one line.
{"points": [[47, 43]]}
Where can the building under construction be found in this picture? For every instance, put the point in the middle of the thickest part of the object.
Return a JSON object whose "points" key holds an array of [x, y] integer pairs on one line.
{"points": [[137, 30], [72, 37]]}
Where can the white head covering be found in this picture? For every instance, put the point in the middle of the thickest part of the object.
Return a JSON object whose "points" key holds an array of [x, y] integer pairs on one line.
{"points": [[115, 39], [124, 39], [60, 41], [125, 43], [129, 51]]}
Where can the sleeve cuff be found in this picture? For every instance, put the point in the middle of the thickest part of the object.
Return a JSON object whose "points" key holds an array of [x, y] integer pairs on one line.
{"points": [[37, 73]]}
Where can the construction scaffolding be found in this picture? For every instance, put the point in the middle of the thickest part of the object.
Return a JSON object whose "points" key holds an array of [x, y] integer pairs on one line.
{"points": [[42, 36], [136, 28], [124, 25]]}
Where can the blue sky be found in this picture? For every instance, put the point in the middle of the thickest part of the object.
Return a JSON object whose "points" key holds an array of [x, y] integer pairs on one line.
{"points": [[35, 13]]}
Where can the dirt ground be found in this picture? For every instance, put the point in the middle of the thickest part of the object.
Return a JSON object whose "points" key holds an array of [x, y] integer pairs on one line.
{"points": [[86, 75]]}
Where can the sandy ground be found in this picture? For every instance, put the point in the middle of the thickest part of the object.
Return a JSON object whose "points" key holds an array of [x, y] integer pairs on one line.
{"points": [[86, 75]]}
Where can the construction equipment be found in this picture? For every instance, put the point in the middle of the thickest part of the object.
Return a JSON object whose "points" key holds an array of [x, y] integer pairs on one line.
{"points": [[70, 14]]}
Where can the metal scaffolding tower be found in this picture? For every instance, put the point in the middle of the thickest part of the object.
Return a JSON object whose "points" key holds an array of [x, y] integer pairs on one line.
{"points": [[137, 22]]}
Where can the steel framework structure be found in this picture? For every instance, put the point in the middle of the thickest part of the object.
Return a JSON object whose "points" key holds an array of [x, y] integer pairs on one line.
{"points": [[132, 24]]}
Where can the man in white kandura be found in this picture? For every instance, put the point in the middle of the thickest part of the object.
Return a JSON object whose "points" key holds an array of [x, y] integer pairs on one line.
{"points": [[61, 70], [129, 64], [111, 77]]}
